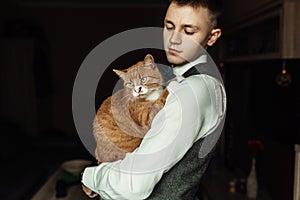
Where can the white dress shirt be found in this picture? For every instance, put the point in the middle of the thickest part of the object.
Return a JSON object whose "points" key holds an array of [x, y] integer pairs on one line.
{"points": [[193, 109]]}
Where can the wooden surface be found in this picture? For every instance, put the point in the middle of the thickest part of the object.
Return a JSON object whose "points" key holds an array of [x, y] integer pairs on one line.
{"points": [[291, 30]]}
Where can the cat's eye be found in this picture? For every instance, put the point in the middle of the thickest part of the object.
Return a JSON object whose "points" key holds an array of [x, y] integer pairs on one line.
{"points": [[129, 84], [143, 80]]}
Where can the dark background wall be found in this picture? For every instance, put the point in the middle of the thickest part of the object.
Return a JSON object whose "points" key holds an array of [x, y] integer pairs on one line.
{"points": [[260, 109], [66, 34], [42, 46]]}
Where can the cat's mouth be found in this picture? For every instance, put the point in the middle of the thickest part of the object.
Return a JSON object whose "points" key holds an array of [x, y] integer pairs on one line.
{"points": [[139, 91], [139, 95], [142, 96]]}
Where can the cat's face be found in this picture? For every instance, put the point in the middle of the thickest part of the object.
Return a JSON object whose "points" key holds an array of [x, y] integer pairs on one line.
{"points": [[141, 79]]}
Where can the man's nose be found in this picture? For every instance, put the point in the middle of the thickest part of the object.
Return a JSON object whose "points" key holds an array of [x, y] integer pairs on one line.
{"points": [[175, 37]]}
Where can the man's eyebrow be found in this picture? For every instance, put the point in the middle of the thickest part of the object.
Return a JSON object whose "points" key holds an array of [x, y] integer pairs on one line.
{"points": [[184, 26]]}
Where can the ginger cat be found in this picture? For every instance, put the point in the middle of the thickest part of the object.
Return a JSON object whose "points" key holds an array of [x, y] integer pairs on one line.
{"points": [[124, 118]]}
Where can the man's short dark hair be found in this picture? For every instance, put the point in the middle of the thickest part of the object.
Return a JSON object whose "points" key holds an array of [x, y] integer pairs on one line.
{"points": [[215, 7]]}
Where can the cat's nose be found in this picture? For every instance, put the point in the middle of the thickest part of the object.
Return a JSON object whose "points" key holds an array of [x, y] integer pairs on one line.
{"points": [[138, 89]]}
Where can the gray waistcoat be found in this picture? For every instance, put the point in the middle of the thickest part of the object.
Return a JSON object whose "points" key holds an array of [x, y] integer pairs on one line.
{"points": [[182, 181]]}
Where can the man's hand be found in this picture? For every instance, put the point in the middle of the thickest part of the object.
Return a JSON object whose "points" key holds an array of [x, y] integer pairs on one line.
{"points": [[88, 191]]}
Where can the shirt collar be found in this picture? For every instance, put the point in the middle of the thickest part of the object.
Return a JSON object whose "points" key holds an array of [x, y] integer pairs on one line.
{"points": [[180, 69]]}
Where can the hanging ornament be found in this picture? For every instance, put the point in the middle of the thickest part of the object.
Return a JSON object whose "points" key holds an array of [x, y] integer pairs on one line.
{"points": [[283, 79]]}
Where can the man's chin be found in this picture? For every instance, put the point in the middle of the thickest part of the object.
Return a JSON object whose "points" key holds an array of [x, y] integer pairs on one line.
{"points": [[175, 59]]}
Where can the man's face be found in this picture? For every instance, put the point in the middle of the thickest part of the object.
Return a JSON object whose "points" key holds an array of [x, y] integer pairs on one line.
{"points": [[185, 28]]}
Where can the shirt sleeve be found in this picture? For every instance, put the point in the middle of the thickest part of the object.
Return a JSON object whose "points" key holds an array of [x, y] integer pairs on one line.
{"points": [[187, 116]]}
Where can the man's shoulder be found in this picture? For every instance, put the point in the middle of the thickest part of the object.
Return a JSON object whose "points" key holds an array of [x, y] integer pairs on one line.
{"points": [[202, 80]]}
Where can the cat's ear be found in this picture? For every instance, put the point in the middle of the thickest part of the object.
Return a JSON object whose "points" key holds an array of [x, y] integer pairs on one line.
{"points": [[149, 60], [120, 73]]}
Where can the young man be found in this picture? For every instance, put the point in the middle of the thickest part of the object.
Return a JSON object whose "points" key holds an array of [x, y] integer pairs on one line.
{"points": [[167, 165]]}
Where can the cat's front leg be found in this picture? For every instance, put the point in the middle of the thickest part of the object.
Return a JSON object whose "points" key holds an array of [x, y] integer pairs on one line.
{"points": [[155, 108]]}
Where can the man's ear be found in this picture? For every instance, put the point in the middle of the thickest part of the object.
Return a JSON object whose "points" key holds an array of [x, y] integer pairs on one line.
{"points": [[214, 35]]}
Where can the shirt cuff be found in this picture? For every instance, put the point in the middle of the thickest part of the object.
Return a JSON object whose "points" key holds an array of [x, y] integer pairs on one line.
{"points": [[88, 177]]}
